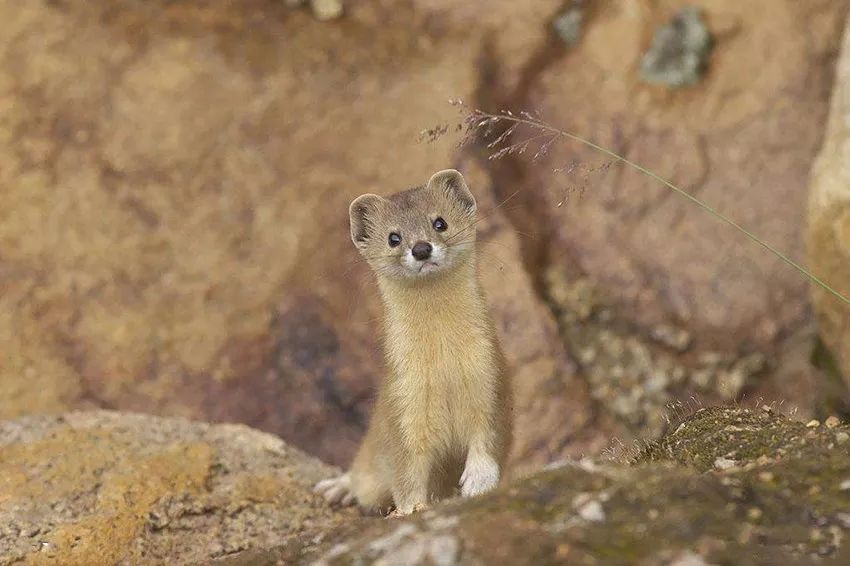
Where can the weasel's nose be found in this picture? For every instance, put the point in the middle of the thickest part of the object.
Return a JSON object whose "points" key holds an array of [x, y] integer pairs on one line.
{"points": [[421, 250]]}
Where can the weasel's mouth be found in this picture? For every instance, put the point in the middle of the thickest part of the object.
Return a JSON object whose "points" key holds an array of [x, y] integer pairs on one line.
{"points": [[428, 266]]}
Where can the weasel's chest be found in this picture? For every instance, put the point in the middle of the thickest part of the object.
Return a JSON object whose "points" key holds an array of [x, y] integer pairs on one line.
{"points": [[438, 362], [440, 385]]}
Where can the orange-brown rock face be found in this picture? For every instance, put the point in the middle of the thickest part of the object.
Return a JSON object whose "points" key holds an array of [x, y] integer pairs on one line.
{"points": [[109, 488], [743, 140], [829, 221], [174, 181], [174, 232]]}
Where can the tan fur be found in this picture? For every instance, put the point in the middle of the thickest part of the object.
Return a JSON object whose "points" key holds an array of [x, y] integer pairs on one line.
{"points": [[443, 410]]}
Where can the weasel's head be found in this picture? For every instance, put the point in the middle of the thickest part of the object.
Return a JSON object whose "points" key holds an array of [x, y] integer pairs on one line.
{"points": [[419, 233]]}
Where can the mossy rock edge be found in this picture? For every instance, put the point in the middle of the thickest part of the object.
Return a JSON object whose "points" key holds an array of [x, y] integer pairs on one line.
{"points": [[727, 485]]}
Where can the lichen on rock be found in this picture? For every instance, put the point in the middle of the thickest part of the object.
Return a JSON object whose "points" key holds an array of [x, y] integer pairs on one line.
{"points": [[568, 25], [639, 375], [679, 51], [110, 488]]}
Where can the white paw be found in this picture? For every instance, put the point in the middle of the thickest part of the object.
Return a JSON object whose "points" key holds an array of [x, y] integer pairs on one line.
{"points": [[480, 475], [336, 491]]}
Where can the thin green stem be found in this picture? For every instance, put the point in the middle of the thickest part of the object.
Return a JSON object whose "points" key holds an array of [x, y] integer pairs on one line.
{"points": [[805, 272]]}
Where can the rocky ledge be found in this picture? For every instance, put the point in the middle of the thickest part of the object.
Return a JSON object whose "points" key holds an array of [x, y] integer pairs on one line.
{"points": [[725, 485], [116, 488]]}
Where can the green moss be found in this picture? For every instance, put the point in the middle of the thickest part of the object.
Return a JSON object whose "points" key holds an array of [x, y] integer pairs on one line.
{"points": [[730, 433]]}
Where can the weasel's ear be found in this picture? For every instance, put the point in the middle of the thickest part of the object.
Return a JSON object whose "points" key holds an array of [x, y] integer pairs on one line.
{"points": [[359, 215], [454, 185]]}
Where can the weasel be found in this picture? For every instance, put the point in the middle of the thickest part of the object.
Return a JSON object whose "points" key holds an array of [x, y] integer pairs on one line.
{"points": [[442, 419]]}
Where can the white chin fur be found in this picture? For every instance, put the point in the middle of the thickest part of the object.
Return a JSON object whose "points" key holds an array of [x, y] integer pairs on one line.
{"points": [[436, 262]]}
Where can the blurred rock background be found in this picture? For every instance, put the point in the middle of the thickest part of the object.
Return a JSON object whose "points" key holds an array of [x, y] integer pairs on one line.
{"points": [[175, 176]]}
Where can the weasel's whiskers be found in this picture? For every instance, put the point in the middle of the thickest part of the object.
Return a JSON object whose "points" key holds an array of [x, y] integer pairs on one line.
{"points": [[483, 216]]}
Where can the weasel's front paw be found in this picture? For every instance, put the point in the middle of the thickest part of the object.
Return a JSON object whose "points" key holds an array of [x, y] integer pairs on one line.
{"points": [[480, 475], [337, 491]]}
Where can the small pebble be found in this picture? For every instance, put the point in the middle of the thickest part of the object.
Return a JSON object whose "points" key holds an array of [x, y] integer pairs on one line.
{"points": [[327, 9], [568, 25], [724, 463], [766, 476], [842, 437], [814, 423], [845, 485], [589, 510], [592, 512], [832, 422], [562, 551], [689, 558]]}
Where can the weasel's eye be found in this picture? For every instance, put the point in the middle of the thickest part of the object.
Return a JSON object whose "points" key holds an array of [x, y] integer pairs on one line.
{"points": [[394, 239], [440, 224]]}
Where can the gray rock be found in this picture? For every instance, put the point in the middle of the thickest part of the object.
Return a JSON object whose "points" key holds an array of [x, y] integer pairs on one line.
{"points": [[679, 51], [672, 505], [326, 9], [568, 25]]}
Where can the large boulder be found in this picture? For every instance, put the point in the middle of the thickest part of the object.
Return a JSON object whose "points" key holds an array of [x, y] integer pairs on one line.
{"points": [[829, 221], [176, 175], [725, 486], [175, 184], [110, 488], [658, 258], [657, 299]]}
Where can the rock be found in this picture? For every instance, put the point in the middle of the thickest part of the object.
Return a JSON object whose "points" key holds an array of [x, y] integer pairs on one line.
{"points": [[197, 260], [651, 253], [326, 9], [109, 488], [677, 338], [688, 558], [173, 236], [323, 10], [828, 231], [724, 463], [569, 24], [591, 511], [679, 51], [832, 422], [105, 487], [638, 379], [652, 258], [666, 507]]}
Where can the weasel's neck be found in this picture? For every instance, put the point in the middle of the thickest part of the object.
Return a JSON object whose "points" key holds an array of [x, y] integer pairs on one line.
{"points": [[452, 296]]}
